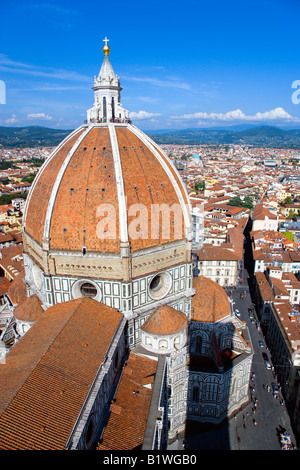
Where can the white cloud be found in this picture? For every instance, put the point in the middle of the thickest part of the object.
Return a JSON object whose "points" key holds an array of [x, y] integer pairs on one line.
{"points": [[238, 115], [12, 120], [169, 83], [15, 67], [142, 115], [39, 116]]}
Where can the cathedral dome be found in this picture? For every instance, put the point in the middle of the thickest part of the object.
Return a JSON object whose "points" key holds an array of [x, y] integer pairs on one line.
{"points": [[210, 302], [108, 216], [101, 187]]}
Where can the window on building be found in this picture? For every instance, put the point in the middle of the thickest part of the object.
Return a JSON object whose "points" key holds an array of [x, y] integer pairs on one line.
{"points": [[195, 397], [113, 107], [88, 290], [163, 344], [198, 344], [104, 109]]}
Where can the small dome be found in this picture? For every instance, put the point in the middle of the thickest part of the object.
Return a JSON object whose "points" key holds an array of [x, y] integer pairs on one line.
{"points": [[210, 302], [29, 310], [17, 291], [165, 321]]}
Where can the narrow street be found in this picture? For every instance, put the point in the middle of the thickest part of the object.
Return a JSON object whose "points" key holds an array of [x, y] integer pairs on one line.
{"points": [[257, 425]]}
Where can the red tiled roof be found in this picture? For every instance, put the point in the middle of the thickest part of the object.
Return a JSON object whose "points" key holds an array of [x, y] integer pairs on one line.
{"points": [[29, 310], [165, 320], [17, 291], [210, 302], [48, 373], [4, 286], [260, 213], [210, 252], [128, 417]]}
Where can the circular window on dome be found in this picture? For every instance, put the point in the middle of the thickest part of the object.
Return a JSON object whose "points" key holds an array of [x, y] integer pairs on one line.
{"points": [[160, 285], [86, 288]]}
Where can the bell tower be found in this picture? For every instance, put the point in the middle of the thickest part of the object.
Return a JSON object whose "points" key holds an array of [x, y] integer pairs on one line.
{"points": [[107, 106]]}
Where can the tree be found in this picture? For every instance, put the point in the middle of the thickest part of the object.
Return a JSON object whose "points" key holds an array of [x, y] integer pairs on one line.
{"points": [[238, 202], [29, 178], [288, 200], [6, 198], [235, 201], [199, 186], [248, 202]]}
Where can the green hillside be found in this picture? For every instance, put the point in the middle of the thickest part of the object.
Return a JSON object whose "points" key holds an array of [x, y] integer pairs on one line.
{"points": [[264, 136], [32, 136]]}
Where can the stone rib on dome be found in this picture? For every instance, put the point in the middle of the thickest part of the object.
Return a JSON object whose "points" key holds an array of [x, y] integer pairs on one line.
{"points": [[210, 302], [165, 321], [98, 165]]}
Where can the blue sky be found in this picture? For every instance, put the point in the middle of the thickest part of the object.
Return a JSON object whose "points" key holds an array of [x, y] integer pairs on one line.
{"points": [[182, 64]]}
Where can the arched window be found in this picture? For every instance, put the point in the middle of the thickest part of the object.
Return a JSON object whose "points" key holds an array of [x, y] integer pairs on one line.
{"points": [[104, 109], [177, 342], [163, 344], [195, 396], [198, 345], [234, 386], [113, 107]]}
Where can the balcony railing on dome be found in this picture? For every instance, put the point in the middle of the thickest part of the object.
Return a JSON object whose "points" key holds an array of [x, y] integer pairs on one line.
{"points": [[117, 120]]}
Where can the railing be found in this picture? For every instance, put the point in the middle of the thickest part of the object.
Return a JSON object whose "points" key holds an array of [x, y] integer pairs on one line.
{"points": [[116, 120]]}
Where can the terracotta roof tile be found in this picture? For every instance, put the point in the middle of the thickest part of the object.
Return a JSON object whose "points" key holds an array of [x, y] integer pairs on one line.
{"points": [[49, 371], [89, 180], [4, 286], [127, 422], [165, 320], [17, 291], [29, 310], [37, 205], [210, 302], [210, 252]]}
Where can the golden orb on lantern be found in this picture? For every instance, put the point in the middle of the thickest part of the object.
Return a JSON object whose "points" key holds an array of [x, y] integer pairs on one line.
{"points": [[106, 48]]}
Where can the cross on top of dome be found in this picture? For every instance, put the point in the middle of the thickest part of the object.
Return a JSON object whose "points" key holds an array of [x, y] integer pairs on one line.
{"points": [[106, 48]]}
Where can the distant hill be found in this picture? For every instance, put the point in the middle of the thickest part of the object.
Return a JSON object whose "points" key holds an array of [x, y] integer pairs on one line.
{"points": [[264, 136], [32, 136]]}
